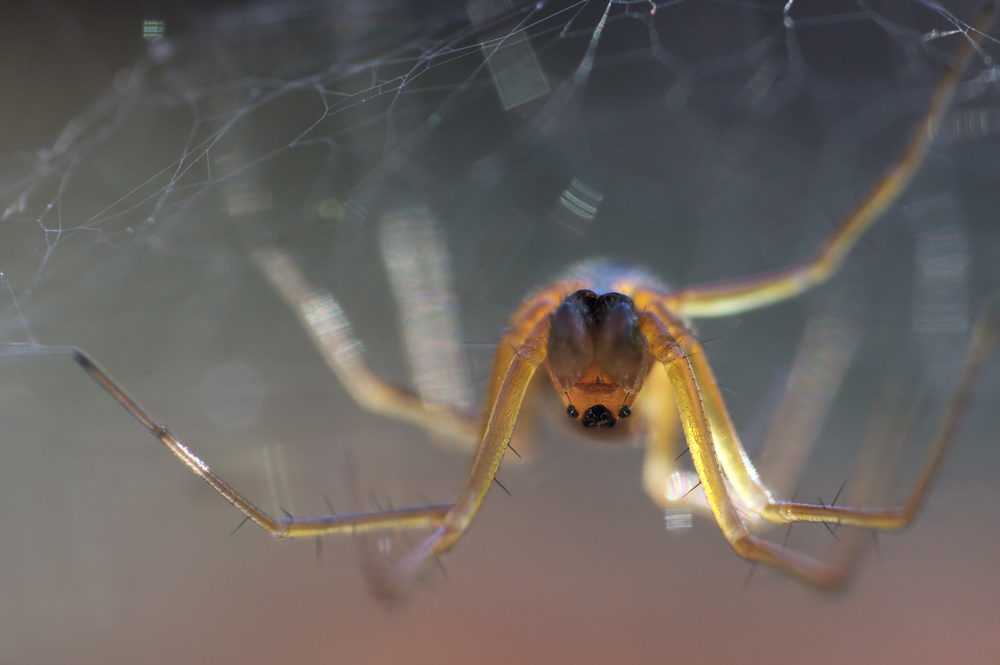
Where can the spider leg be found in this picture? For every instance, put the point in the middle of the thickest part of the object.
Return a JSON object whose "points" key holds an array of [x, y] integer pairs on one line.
{"points": [[496, 436], [331, 333], [827, 347], [285, 527], [741, 295], [718, 456], [668, 484], [666, 349], [985, 337], [738, 467], [448, 521]]}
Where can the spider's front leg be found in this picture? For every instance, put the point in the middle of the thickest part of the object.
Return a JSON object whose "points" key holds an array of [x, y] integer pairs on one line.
{"points": [[448, 521], [666, 482], [286, 527], [503, 411], [725, 469], [675, 354]]}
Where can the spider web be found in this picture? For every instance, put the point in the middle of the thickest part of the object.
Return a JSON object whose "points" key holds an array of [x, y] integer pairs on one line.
{"points": [[337, 116]]}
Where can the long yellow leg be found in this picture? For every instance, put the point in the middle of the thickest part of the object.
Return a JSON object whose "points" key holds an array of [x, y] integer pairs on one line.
{"points": [[738, 467], [448, 521], [984, 341], [665, 348], [668, 484], [741, 295], [496, 435], [286, 527], [711, 444], [740, 471]]}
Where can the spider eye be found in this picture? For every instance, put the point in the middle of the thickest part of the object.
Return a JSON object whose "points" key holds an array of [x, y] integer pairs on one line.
{"points": [[598, 416], [625, 412], [571, 411]]}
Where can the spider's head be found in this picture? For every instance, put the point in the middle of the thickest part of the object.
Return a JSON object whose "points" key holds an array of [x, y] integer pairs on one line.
{"points": [[597, 358]]}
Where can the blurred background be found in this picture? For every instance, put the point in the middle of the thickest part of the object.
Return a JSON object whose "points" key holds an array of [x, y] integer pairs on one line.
{"points": [[147, 147]]}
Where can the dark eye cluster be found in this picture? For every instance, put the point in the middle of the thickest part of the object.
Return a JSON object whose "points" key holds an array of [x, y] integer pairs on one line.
{"points": [[598, 416]]}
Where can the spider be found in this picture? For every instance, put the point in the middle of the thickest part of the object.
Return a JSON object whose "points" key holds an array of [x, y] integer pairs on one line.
{"points": [[617, 347]]}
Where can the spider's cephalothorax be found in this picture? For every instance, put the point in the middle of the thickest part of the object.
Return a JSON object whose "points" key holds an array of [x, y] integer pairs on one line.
{"points": [[597, 357]]}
